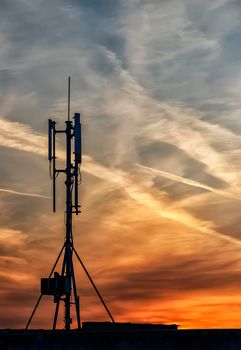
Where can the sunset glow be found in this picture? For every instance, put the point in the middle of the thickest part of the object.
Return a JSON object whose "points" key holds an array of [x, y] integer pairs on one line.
{"points": [[157, 85]]}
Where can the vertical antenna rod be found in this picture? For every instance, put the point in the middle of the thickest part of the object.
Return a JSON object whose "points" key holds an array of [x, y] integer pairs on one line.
{"points": [[68, 99]]}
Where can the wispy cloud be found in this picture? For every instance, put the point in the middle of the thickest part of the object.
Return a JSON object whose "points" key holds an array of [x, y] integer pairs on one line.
{"points": [[122, 179], [19, 136], [187, 181], [182, 127], [5, 190], [167, 100]]}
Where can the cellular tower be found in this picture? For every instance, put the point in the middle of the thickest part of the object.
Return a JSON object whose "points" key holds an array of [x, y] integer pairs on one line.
{"points": [[62, 285]]}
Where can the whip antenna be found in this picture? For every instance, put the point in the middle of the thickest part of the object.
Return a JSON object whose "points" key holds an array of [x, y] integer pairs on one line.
{"points": [[68, 98]]}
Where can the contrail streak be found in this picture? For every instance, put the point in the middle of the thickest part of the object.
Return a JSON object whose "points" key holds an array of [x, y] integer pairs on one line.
{"points": [[160, 208], [23, 193], [189, 182]]}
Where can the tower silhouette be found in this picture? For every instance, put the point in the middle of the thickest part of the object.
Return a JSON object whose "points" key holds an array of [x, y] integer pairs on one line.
{"points": [[62, 286]]}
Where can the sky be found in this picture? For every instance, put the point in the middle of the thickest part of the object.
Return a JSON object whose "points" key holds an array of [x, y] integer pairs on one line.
{"points": [[158, 86]]}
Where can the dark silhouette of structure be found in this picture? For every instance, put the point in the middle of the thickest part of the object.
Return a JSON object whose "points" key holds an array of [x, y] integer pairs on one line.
{"points": [[123, 339], [63, 285]]}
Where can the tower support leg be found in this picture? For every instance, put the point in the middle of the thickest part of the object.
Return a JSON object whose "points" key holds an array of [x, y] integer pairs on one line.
{"points": [[94, 286], [40, 297], [76, 297], [32, 314], [58, 301], [56, 314]]}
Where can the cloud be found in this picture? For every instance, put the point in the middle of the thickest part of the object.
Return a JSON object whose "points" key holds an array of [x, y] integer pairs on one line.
{"points": [[186, 181], [115, 176], [22, 193], [167, 100], [122, 180], [18, 136], [184, 129]]}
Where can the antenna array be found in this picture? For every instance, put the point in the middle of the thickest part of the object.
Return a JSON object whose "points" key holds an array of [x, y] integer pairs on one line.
{"points": [[63, 285]]}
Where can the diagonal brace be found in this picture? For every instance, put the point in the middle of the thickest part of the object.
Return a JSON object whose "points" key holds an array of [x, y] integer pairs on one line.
{"points": [[39, 299], [94, 286]]}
